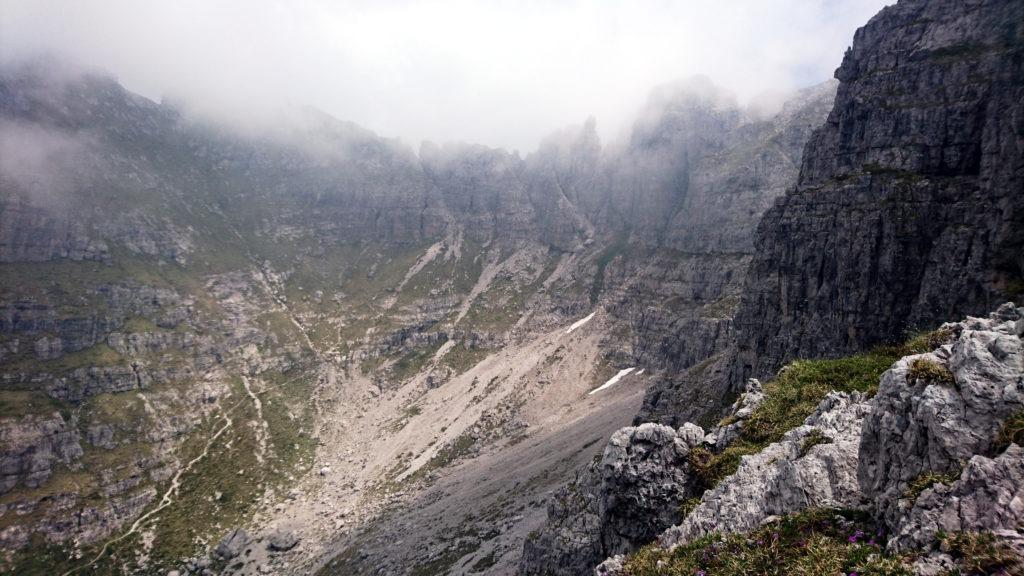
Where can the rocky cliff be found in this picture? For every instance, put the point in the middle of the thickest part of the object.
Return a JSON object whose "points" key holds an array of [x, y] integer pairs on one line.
{"points": [[932, 458], [181, 301], [907, 209]]}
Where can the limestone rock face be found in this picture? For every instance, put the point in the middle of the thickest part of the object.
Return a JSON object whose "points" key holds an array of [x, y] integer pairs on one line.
{"points": [[917, 426], [31, 446], [700, 172], [787, 476], [644, 480], [32, 234], [570, 540], [988, 496], [932, 413], [908, 208], [615, 505]]}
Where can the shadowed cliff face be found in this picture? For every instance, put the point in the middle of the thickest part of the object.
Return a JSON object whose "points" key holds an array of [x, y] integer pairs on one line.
{"points": [[910, 203], [908, 208]]}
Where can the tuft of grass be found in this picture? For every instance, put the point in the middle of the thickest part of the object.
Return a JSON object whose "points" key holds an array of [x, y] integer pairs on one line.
{"points": [[812, 439], [1011, 432], [929, 372], [925, 342], [980, 553], [926, 480], [810, 543], [688, 506], [711, 468], [728, 421]]}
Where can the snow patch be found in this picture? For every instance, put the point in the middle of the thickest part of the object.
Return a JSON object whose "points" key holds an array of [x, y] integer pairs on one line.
{"points": [[613, 380], [581, 322]]}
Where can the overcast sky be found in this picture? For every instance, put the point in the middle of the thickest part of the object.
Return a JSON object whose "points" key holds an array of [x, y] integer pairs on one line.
{"points": [[501, 73]]}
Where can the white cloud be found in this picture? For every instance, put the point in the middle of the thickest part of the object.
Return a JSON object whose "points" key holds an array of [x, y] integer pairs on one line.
{"points": [[502, 73]]}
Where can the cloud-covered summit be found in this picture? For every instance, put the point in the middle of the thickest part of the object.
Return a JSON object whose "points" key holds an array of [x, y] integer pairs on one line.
{"points": [[497, 73]]}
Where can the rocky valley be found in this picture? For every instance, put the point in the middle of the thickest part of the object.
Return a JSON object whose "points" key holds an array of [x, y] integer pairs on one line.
{"points": [[310, 349]]}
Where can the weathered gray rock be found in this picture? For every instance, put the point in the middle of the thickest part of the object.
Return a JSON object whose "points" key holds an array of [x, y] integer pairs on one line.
{"points": [[987, 497], [709, 172], [30, 447], [86, 382], [908, 208], [616, 505], [614, 566], [918, 426], [233, 544], [30, 233], [570, 540], [645, 477], [863, 454], [787, 476], [282, 539], [740, 411]]}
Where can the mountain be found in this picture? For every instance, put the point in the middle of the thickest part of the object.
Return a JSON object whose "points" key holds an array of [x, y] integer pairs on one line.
{"points": [[906, 214], [273, 347], [306, 348]]}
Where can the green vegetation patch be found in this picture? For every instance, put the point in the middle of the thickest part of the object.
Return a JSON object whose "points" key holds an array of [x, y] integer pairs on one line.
{"points": [[688, 506], [812, 439], [461, 359], [1011, 432], [929, 372], [928, 479], [980, 553], [98, 355], [19, 403], [811, 543], [799, 387], [603, 260], [795, 393], [711, 468]]}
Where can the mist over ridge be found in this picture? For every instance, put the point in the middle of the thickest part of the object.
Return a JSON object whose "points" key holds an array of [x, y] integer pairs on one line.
{"points": [[501, 74]]}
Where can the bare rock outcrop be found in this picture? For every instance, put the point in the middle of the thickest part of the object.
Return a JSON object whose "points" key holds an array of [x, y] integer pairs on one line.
{"points": [[929, 454], [617, 504], [936, 411], [988, 496], [31, 446], [813, 466], [908, 208]]}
